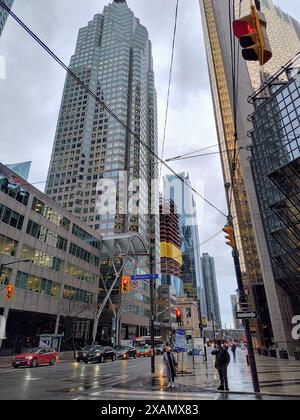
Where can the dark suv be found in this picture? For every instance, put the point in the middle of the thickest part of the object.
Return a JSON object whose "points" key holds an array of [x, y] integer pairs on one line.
{"points": [[100, 354]]}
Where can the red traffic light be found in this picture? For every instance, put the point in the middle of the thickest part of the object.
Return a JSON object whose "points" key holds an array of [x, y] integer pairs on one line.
{"points": [[242, 28], [178, 313]]}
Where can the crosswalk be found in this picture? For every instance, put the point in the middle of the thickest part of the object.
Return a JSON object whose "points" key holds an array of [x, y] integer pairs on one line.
{"points": [[138, 394]]}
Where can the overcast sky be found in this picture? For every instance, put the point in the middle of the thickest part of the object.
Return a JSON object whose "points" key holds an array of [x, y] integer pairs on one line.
{"points": [[31, 94]]}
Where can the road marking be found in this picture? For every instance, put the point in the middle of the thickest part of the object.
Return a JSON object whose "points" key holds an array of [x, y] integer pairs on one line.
{"points": [[154, 394]]}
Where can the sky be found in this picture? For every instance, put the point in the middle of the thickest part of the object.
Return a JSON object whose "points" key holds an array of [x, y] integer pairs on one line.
{"points": [[30, 98]]}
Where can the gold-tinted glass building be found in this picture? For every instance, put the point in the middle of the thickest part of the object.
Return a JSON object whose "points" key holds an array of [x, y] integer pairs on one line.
{"points": [[231, 83]]}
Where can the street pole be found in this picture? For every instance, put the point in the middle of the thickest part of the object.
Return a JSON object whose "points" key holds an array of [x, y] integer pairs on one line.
{"points": [[152, 314], [243, 301]]}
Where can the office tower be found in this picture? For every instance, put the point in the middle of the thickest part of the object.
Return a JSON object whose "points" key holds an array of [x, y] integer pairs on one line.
{"points": [[22, 169], [276, 168], [211, 290], [114, 58], [95, 162], [170, 254], [234, 299], [183, 198], [258, 278], [4, 14]]}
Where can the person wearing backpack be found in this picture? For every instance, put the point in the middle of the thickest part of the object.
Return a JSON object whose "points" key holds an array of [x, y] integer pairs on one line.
{"points": [[221, 364]]}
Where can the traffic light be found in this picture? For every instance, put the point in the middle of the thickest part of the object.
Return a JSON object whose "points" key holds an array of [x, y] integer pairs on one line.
{"points": [[125, 284], [178, 315], [10, 288], [252, 33], [230, 236]]}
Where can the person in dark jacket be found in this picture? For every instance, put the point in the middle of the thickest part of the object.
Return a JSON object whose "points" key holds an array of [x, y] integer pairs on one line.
{"points": [[221, 364], [170, 363]]}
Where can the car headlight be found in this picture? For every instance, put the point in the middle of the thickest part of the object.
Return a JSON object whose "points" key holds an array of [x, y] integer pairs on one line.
{"points": [[29, 358], [98, 354]]}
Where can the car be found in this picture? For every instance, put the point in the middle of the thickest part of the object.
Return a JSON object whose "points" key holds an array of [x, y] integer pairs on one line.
{"points": [[35, 357], [160, 349], [144, 351], [125, 352], [80, 355], [100, 354]]}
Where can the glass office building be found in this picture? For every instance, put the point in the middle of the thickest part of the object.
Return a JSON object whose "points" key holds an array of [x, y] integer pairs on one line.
{"points": [[211, 290], [22, 169], [276, 168], [4, 14]]}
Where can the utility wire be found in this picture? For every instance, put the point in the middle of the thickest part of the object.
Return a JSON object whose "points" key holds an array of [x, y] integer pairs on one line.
{"points": [[169, 86], [103, 104]]}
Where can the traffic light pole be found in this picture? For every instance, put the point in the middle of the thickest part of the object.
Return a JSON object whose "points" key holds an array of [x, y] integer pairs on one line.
{"points": [[243, 300], [152, 313]]}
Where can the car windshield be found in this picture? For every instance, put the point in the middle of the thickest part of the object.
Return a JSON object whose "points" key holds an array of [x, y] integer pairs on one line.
{"points": [[97, 348], [121, 348], [87, 348], [31, 351]]}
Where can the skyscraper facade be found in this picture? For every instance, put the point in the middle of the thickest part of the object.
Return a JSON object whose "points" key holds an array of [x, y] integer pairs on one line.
{"points": [[183, 198], [232, 107], [4, 14], [276, 168], [22, 169], [98, 170], [211, 290], [237, 324], [171, 257]]}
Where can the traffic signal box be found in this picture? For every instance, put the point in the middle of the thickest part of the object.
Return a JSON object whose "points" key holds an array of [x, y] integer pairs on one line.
{"points": [[252, 33], [126, 284], [10, 288], [178, 315], [230, 236]]}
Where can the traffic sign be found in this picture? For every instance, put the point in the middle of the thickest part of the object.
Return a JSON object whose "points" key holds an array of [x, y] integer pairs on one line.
{"points": [[247, 315], [134, 284], [145, 277]]}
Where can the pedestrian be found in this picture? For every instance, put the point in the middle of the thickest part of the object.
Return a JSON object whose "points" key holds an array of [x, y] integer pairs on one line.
{"points": [[233, 350], [170, 363], [221, 364]]}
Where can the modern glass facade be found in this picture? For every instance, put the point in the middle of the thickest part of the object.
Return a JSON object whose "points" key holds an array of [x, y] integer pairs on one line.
{"points": [[22, 169], [211, 290], [3, 14], [276, 168], [185, 203], [114, 58]]}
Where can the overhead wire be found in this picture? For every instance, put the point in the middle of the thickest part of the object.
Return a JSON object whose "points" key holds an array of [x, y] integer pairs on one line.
{"points": [[104, 106]]}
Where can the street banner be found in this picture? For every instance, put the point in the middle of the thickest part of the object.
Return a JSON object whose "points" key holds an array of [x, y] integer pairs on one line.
{"points": [[180, 342]]}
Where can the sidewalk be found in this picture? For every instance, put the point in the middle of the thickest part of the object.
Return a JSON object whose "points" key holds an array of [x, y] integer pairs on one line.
{"points": [[5, 361], [277, 377]]}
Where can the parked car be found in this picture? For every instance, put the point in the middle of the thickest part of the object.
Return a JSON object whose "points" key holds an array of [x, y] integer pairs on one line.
{"points": [[35, 357], [125, 352], [100, 354], [160, 349], [144, 351], [80, 355]]}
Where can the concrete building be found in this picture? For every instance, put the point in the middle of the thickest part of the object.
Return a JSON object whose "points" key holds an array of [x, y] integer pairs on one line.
{"points": [[185, 203], [190, 319], [22, 169], [4, 14], [211, 290], [258, 278], [170, 253], [276, 169], [60, 281], [234, 299]]}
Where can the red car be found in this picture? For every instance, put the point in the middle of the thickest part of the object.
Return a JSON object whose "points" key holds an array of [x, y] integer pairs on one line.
{"points": [[35, 357]]}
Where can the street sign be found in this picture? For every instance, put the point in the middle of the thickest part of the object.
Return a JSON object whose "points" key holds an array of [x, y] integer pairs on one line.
{"points": [[247, 315], [134, 284], [145, 277]]}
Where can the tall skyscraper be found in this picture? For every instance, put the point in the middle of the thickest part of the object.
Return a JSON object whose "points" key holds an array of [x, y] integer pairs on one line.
{"points": [[185, 203], [93, 157], [4, 14], [276, 168], [171, 257], [258, 277], [211, 290]]}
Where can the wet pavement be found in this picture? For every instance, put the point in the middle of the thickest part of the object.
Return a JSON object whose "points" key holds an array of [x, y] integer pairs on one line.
{"points": [[131, 380]]}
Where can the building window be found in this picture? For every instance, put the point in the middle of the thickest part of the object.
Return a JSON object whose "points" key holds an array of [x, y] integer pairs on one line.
{"points": [[8, 246], [11, 217], [41, 259], [35, 284], [15, 191]]}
